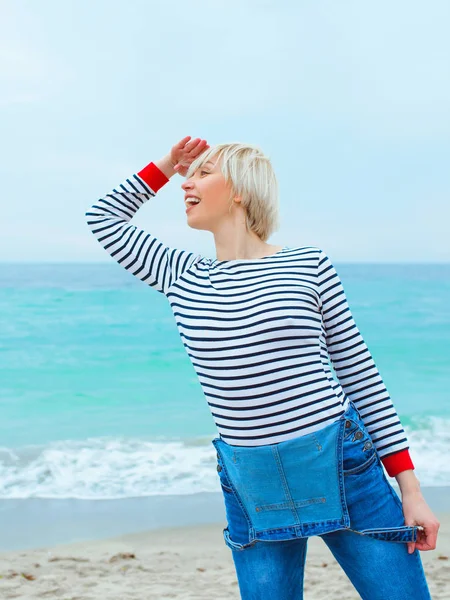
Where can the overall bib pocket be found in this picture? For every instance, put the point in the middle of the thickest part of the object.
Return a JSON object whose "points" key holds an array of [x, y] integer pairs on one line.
{"points": [[325, 481]]}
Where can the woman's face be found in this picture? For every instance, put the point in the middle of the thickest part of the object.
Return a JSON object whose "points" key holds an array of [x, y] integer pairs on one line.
{"points": [[209, 185]]}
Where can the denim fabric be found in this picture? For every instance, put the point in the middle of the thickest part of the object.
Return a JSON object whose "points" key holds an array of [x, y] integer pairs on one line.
{"points": [[329, 483]]}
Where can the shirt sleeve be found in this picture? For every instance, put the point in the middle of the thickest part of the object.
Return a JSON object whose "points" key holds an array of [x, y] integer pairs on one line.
{"points": [[357, 372], [138, 251]]}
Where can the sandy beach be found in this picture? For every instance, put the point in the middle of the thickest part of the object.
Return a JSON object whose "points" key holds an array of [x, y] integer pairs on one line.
{"points": [[183, 562]]}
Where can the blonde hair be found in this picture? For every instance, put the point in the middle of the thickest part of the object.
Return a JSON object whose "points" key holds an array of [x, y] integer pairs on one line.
{"points": [[251, 175]]}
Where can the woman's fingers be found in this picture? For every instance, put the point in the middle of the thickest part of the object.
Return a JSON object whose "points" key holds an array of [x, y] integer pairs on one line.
{"points": [[195, 145], [426, 538], [201, 146], [191, 144], [430, 535], [182, 143], [192, 147], [190, 154], [187, 152]]}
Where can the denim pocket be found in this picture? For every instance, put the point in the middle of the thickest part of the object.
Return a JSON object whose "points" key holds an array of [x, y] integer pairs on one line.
{"points": [[372, 502], [359, 452], [223, 477]]}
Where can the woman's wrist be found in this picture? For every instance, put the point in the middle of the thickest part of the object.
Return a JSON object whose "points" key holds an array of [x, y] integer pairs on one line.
{"points": [[166, 166], [408, 482]]}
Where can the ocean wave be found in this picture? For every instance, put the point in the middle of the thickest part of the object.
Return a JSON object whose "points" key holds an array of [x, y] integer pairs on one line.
{"points": [[113, 468]]}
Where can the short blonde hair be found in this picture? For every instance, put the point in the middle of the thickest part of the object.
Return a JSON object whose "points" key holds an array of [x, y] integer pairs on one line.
{"points": [[251, 175]]}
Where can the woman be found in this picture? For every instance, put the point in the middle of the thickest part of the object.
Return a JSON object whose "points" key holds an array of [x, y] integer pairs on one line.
{"points": [[300, 452]]}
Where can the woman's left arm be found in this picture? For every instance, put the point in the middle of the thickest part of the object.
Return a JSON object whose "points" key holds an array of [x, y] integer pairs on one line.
{"points": [[363, 384], [417, 512], [357, 372]]}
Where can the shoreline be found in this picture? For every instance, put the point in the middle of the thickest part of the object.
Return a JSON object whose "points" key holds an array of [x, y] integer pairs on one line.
{"points": [[177, 562], [27, 524]]}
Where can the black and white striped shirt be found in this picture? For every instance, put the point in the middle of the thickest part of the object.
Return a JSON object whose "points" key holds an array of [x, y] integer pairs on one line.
{"points": [[260, 332]]}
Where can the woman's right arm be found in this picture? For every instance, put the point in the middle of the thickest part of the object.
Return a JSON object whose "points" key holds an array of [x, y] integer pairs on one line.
{"points": [[138, 251]]}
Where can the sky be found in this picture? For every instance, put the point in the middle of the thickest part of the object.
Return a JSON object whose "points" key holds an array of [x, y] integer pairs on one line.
{"points": [[349, 99]]}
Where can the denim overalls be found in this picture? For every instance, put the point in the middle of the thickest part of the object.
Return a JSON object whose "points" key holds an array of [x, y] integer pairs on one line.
{"points": [[321, 482]]}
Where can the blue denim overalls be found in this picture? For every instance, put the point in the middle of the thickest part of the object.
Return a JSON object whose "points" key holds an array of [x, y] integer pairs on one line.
{"points": [[320, 482]]}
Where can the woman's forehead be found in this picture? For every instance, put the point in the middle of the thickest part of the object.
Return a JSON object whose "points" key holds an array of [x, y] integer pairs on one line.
{"points": [[210, 162], [203, 161]]}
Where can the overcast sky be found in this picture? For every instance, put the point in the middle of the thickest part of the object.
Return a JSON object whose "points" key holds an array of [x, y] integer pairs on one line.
{"points": [[350, 100]]}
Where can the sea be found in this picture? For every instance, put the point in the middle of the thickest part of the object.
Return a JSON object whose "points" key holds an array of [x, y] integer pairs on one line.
{"points": [[102, 416]]}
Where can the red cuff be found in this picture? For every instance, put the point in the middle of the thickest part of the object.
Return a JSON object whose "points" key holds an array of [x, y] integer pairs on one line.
{"points": [[397, 462], [153, 176]]}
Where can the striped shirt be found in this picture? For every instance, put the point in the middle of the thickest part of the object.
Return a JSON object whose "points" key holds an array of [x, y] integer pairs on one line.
{"points": [[260, 333]]}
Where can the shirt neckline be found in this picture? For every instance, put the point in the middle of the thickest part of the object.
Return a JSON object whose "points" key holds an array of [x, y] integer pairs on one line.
{"points": [[248, 260]]}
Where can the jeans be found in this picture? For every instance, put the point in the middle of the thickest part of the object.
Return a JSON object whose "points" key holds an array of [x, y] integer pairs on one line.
{"points": [[329, 483]]}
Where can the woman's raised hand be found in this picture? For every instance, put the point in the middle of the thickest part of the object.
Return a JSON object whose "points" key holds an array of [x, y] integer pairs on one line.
{"points": [[185, 152]]}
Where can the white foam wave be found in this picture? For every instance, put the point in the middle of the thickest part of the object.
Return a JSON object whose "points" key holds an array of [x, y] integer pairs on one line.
{"points": [[105, 468], [112, 468], [430, 450]]}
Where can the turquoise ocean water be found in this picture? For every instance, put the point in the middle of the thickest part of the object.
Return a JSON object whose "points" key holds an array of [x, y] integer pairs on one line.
{"points": [[99, 400]]}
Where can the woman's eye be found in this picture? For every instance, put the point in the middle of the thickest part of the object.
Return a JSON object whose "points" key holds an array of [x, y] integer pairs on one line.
{"points": [[203, 172]]}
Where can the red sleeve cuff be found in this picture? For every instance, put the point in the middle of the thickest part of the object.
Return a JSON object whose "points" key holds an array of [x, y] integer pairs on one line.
{"points": [[397, 462], [153, 176]]}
